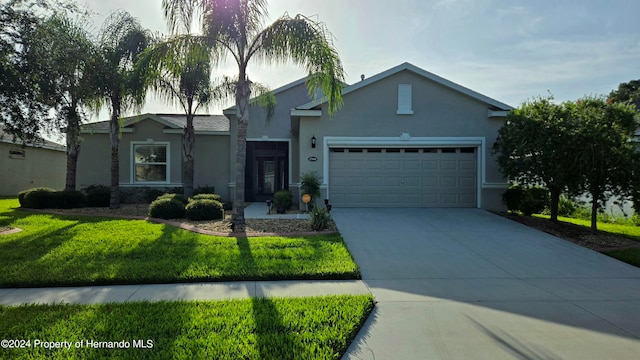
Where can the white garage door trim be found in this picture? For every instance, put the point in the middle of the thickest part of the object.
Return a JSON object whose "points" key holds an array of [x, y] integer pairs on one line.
{"points": [[405, 141]]}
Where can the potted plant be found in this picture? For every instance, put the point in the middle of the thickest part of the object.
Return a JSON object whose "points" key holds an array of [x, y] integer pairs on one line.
{"points": [[282, 200]]}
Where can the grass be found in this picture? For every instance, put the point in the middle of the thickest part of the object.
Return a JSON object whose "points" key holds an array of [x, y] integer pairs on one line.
{"points": [[259, 328], [66, 250], [626, 229]]}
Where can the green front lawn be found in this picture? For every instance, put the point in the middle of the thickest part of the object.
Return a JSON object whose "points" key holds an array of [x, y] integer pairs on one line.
{"points": [[259, 328], [628, 230], [67, 250]]}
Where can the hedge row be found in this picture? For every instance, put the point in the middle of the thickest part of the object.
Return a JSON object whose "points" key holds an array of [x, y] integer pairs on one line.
{"points": [[46, 198]]}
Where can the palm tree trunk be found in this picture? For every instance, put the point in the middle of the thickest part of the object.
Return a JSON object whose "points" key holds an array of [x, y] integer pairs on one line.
{"points": [[73, 149], [114, 133], [188, 145], [242, 113]]}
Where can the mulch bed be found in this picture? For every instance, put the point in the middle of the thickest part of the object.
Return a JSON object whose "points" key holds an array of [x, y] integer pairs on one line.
{"points": [[253, 226], [580, 235]]}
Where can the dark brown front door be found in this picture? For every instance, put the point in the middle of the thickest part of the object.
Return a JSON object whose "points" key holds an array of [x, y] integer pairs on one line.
{"points": [[267, 169]]}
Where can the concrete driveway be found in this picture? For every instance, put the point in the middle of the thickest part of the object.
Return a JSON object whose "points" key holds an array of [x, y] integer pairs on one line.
{"points": [[468, 284]]}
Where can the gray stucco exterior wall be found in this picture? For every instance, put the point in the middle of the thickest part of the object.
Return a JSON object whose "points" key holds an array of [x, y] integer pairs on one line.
{"points": [[439, 113], [40, 167]]}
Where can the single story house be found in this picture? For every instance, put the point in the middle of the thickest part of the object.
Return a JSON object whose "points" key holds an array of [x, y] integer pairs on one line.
{"points": [[403, 138], [32, 165]]}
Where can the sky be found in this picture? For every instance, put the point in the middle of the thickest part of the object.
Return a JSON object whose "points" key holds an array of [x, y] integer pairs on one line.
{"points": [[510, 50]]}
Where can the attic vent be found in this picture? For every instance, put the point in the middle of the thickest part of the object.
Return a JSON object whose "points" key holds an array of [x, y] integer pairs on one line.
{"points": [[404, 100], [16, 153]]}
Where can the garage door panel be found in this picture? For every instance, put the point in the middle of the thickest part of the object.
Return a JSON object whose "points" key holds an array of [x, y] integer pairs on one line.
{"points": [[467, 165], [448, 199], [448, 165], [392, 164], [411, 165], [448, 181], [429, 164], [467, 182], [375, 164], [403, 178]]}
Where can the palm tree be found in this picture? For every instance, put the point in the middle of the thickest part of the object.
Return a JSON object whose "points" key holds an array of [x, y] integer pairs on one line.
{"points": [[236, 27], [179, 71], [122, 86], [66, 53]]}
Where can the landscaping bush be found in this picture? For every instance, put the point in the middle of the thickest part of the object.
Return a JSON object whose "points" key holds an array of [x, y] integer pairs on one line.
{"points": [[310, 184], [512, 198], [215, 197], [528, 200], [97, 195], [67, 199], [534, 201], [178, 197], [319, 218], [37, 198], [167, 209], [282, 199], [204, 190], [151, 194], [204, 209], [567, 207], [21, 196], [133, 195]]}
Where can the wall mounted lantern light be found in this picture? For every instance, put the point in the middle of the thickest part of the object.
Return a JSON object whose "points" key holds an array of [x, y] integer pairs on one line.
{"points": [[313, 142]]}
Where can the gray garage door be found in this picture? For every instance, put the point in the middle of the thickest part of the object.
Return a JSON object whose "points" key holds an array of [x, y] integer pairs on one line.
{"points": [[426, 177]]}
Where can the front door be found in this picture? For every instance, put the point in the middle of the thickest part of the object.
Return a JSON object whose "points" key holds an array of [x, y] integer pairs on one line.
{"points": [[267, 169]]}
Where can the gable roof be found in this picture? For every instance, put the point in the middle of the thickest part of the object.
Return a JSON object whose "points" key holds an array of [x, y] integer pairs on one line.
{"points": [[283, 88], [40, 143], [497, 105], [201, 123]]}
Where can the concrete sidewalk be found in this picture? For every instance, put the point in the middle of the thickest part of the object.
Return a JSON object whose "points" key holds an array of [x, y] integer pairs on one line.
{"points": [[185, 291], [258, 210]]}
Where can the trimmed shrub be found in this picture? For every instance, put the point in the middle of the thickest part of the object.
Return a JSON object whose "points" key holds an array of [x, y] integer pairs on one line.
{"points": [[97, 195], [37, 198], [282, 199], [319, 218], [204, 190], [204, 209], [132, 195], [166, 209], [535, 199], [67, 199], [215, 197], [151, 194], [513, 197], [21, 196], [178, 197]]}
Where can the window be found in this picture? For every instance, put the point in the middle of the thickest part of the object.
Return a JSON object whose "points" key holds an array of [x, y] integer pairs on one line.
{"points": [[150, 163], [404, 100]]}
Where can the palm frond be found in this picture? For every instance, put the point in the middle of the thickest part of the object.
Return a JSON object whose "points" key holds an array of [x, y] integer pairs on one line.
{"points": [[308, 43], [179, 14]]}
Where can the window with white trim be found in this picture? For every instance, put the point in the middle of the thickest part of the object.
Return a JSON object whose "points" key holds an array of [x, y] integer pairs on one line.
{"points": [[405, 103], [151, 163]]}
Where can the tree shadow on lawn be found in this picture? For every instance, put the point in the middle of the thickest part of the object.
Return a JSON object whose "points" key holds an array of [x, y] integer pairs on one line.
{"points": [[269, 325], [69, 255]]}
